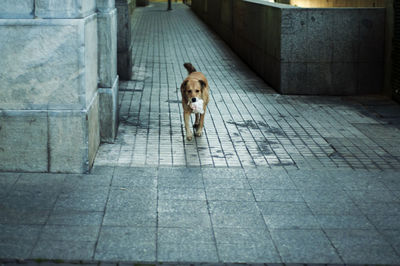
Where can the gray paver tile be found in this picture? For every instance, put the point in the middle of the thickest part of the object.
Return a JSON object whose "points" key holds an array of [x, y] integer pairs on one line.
{"points": [[176, 219], [13, 231], [393, 237], [180, 172], [344, 222], [80, 204], [245, 220], [325, 195], [63, 250], [274, 182], [362, 246], [166, 193], [372, 196], [379, 208], [28, 217], [83, 233], [87, 180], [334, 208], [126, 244], [233, 207], [130, 218], [383, 222], [279, 195], [291, 222], [183, 206], [188, 236], [181, 182], [16, 248], [135, 171], [75, 218], [284, 208], [315, 246], [230, 173], [181, 252], [229, 194], [134, 181], [226, 183], [245, 253]]}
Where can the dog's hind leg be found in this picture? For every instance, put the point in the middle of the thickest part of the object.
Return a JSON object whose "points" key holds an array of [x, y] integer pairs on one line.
{"points": [[186, 117]]}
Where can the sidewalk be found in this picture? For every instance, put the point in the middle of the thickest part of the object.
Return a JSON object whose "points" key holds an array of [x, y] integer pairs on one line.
{"points": [[274, 179]]}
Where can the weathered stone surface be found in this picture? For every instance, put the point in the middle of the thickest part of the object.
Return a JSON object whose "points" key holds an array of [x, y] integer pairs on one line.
{"points": [[16, 9], [105, 6], [52, 73], [23, 141], [124, 39], [73, 139], [304, 50], [108, 108], [64, 8], [107, 53]]}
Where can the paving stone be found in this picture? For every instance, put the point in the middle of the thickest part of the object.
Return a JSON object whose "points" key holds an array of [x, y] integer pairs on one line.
{"points": [[12, 231], [181, 252], [231, 173], [75, 218], [135, 172], [279, 195], [233, 207], [385, 222], [126, 244], [67, 250], [393, 238], [177, 219], [187, 236], [134, 180], [166, 193], [373, 196], [179, 172], [83, 233], [130, 218], [226, 183], [24, 217], [229, 194], [245, 220], [284, 208], [182, 206], [362, 246], [334, 208], [16, 248], [181, 182], [325, 195], [81, 204], [87, 180], [248, 253], [343, 222], [314, 248], [291, 222]]}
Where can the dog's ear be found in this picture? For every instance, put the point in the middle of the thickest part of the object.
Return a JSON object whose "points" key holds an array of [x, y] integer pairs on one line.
{"points": [[183, 88], [202, 84]]}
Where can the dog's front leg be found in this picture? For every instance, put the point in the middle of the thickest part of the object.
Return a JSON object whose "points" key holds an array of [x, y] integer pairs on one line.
{"points": [[186, 117], [201, 125]]}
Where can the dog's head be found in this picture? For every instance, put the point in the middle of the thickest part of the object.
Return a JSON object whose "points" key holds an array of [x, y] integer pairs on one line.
{"points": [[192, 89]]}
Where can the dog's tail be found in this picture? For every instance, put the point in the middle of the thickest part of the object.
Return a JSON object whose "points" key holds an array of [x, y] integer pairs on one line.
{"points": [[189, 67]]}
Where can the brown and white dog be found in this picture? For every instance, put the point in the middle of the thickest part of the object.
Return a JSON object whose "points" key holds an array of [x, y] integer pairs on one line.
{"points": [[193, 88]]}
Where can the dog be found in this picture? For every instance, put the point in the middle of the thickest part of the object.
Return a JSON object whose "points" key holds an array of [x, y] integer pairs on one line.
{"points": [[194, 88]]}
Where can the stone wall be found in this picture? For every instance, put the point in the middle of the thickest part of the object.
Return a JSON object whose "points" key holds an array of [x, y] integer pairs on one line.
{"points": [[125, 10], [49, 100], [108, 79], [303, 50], [334, 3]]}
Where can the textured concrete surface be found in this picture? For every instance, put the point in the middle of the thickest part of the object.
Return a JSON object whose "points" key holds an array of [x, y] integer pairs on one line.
{"points": [[64, 8], [48, 97], [277, 192], [310, 51], [20, 9]]}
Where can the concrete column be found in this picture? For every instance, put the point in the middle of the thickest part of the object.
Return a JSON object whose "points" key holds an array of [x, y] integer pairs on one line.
{"points": [[108, 79], [125, 9], [49, 104]]}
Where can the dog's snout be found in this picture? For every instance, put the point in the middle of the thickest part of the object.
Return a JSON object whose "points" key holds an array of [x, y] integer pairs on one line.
{"points": [[194, 100]]}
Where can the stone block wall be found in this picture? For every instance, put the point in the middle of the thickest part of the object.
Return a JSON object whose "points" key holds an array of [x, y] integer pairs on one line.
{"points": [[108, 79], [125, 9], [315, 51], [49, 102]]}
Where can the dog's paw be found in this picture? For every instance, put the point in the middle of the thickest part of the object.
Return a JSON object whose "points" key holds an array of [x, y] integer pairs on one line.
{"points": [[198, 134], [195, 125], [189, 137]]}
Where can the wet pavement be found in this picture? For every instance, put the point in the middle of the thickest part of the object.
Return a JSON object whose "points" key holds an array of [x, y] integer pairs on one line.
{"points": [[274, 178]]}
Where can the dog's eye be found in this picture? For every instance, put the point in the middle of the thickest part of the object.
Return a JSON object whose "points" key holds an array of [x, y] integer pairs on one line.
{"points": [[197, 90], [189, 91]]}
